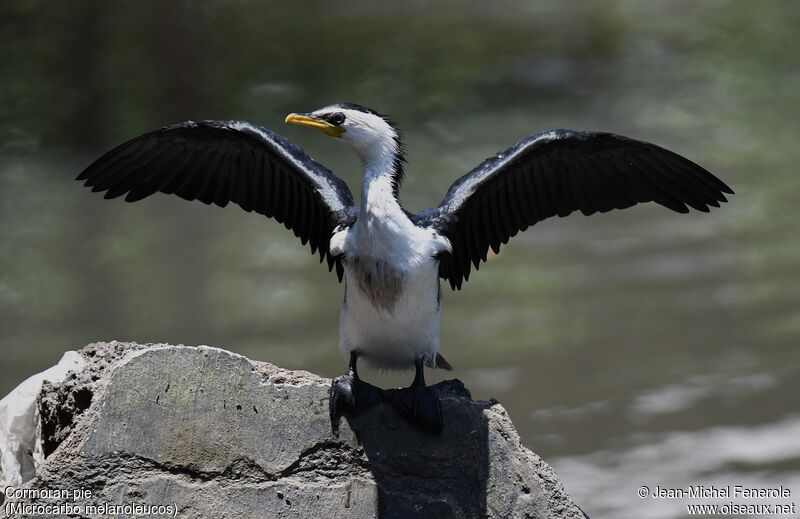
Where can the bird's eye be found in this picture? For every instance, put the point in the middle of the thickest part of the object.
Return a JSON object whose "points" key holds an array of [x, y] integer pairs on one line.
{"points": [[337, 118]]}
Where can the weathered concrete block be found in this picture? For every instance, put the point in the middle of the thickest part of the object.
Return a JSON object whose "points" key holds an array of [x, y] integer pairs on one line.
{"points": [[218, 435]]}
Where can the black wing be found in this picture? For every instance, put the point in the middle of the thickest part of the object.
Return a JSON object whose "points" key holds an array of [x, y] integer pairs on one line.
{"points": [[556, 173], [218, 162]]}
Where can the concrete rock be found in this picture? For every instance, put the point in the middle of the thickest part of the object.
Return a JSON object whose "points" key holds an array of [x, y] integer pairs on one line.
{"points": [[216, 435]]}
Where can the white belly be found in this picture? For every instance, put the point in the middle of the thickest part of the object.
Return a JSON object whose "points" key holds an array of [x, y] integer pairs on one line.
{"points": [[390, 327], [391, 310]]}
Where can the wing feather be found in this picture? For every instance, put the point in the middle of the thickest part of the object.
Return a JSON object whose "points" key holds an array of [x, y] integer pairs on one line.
{"points": [[554, 174], [217, 162]]}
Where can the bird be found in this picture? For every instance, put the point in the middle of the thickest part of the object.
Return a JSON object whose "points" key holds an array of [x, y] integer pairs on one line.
{"points": [[392, 262]]}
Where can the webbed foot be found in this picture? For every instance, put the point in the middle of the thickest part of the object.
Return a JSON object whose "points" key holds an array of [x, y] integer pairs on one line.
{"points": [[418, 403], [350, 394], [342, 398]]}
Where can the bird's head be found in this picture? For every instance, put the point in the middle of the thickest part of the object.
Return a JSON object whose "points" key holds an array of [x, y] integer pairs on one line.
{"points": [[371, 135]]}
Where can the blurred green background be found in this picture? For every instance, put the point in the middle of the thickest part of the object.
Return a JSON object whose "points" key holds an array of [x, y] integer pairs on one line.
{"points": [[639, 347]]}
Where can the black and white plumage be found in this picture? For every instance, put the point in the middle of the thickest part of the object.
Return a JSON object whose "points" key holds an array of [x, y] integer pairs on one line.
{"points": [[218, 162], [391, 260], [556, 173]]}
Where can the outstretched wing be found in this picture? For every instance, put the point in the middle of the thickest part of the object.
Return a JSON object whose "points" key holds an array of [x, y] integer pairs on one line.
{"points": [[556, 173], [218, 162]]}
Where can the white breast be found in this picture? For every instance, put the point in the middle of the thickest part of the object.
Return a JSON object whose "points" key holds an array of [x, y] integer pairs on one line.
{"points": [[391, 310]]}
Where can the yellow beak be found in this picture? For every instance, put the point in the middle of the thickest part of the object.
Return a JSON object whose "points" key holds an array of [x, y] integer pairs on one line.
{"points": [[312, 122]]}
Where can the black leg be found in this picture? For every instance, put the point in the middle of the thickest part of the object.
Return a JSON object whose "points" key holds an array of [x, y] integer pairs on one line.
{"points": [[349, 394], [419, 373], [418, 403]]}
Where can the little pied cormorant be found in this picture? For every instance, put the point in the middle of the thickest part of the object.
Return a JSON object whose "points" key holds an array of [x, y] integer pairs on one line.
{"points": [[391, 260]]}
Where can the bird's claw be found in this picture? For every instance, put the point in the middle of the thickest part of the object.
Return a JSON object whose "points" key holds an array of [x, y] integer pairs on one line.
{"points": [[420, 405], [342, 399], [350, 394]]}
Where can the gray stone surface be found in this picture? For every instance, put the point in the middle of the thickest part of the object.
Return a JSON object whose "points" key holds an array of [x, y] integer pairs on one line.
{"points": [[219, 436]]}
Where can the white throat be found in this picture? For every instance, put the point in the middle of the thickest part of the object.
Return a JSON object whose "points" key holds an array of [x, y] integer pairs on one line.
{"points": [[377, 187]]}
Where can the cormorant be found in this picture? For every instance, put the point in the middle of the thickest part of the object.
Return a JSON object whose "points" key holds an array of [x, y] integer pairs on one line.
{"points": [[391, 260]]}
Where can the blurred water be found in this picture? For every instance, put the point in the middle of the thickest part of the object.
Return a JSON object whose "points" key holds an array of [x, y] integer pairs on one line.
{"points": [[643, 347]]}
